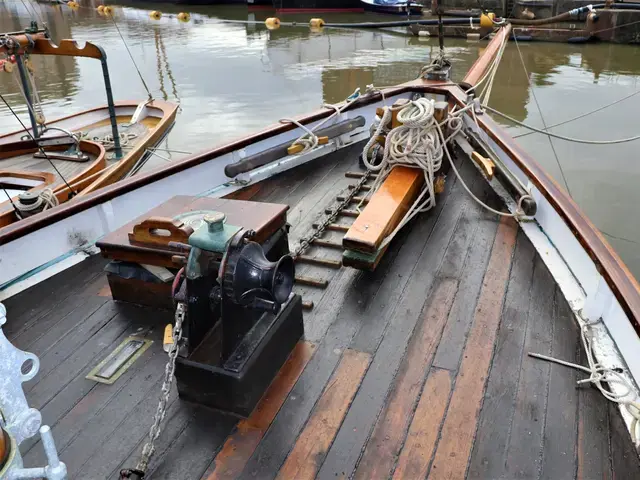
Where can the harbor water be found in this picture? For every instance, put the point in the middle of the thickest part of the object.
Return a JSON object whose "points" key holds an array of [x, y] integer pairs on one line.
{"points": [[234, 78]]}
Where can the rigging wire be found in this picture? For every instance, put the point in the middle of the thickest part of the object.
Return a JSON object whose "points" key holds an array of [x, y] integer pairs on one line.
{"points": [[535, 99], [131, 56], [34, 140], [563, 137], [578, 117]]}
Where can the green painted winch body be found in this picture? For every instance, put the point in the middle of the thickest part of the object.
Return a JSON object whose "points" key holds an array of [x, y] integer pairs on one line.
{"points": [[212, 236]]}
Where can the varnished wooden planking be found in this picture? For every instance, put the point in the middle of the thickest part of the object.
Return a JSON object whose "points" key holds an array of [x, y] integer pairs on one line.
{"points": [[524, 455], [237, 449], [456, 441], [308, 453], [449, 353], [178, 419], [432, 230], [99, 413], [561, 426], [492, 438], [58, 323], [71, 353], [386, 208], [389, 432], [29, 306], [423, 433], [190, 453], [400, 307], [280, 437]]}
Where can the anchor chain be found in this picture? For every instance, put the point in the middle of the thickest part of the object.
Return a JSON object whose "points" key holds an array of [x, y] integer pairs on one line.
{"points": [[156, 428], [306, 242]]}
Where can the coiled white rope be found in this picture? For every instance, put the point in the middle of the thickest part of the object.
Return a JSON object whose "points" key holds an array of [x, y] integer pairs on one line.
{"points": [[107, 141], [419, 142], [599, 374], [309, 140], [42, 200]]}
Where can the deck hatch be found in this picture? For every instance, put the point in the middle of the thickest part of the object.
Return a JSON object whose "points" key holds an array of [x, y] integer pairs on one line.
{"points": [[119, 360]]}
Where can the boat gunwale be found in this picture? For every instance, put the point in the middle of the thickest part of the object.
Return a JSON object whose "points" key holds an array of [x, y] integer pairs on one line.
{"points": [[608, 263]]}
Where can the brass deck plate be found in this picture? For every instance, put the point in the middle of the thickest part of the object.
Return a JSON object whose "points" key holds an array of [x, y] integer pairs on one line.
{"points": [[119, 360]]}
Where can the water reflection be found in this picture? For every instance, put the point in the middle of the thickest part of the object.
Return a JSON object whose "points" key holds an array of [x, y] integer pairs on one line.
{"points": [[233, 78]]}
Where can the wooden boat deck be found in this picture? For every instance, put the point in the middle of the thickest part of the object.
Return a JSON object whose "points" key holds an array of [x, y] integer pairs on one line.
{"points": [[417, 369]]}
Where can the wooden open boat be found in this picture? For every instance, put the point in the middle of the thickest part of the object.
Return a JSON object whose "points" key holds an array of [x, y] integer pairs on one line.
{"points": [[67, 155], [416, 369]]}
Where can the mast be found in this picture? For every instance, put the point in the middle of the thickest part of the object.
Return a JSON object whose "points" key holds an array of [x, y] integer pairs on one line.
{"points": [[37, 42]]}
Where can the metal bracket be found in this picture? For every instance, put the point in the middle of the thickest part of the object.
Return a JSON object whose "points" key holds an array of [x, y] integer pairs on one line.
{"points": [[20, 420]]}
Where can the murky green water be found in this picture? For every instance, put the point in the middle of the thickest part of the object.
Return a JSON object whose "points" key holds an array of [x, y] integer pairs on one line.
{"points": [[231, 79]]}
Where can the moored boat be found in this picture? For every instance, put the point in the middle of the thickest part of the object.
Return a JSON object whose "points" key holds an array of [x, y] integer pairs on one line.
{"points": [[418, 368], [125, 132], [393, 7]]}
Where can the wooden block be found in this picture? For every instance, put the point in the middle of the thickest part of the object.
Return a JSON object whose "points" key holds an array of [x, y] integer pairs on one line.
{"points": [[389, 432], [239, 447], [456, 439], [159, 231], [362, 261], [385, 210], [423, 433], [306, 457]]}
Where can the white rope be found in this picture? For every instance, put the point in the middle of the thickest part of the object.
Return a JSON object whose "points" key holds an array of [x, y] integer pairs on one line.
{"points": [[309, 140], [599, 374], [107, 141], [44, 200], [419, 142]]}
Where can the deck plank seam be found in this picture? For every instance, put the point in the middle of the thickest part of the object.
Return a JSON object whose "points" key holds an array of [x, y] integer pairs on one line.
{"points": [[453, 375], [406, 346], [83, 301], [97, 412], [324, 388], [521, 238], [158, 457], [391, 313], [70, 441], [345, 412], [44, 313], [429, 369], [548, 375], [46, 375]]}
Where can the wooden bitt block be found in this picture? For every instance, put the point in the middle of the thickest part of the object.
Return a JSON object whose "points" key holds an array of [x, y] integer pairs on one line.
{"points": [[362, 261], [385, 210], [312, 282], [441, 111], [307, 305], [323, 262], [401, 102], [334, 227], [326, 243]]}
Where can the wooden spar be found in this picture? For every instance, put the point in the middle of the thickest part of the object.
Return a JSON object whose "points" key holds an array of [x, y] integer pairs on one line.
{"points": [[385, 210], [39, 44], [480, 66]]}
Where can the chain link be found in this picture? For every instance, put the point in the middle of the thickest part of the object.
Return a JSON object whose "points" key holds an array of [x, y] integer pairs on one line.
{"points": [[155, 430], [306, 242]]}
